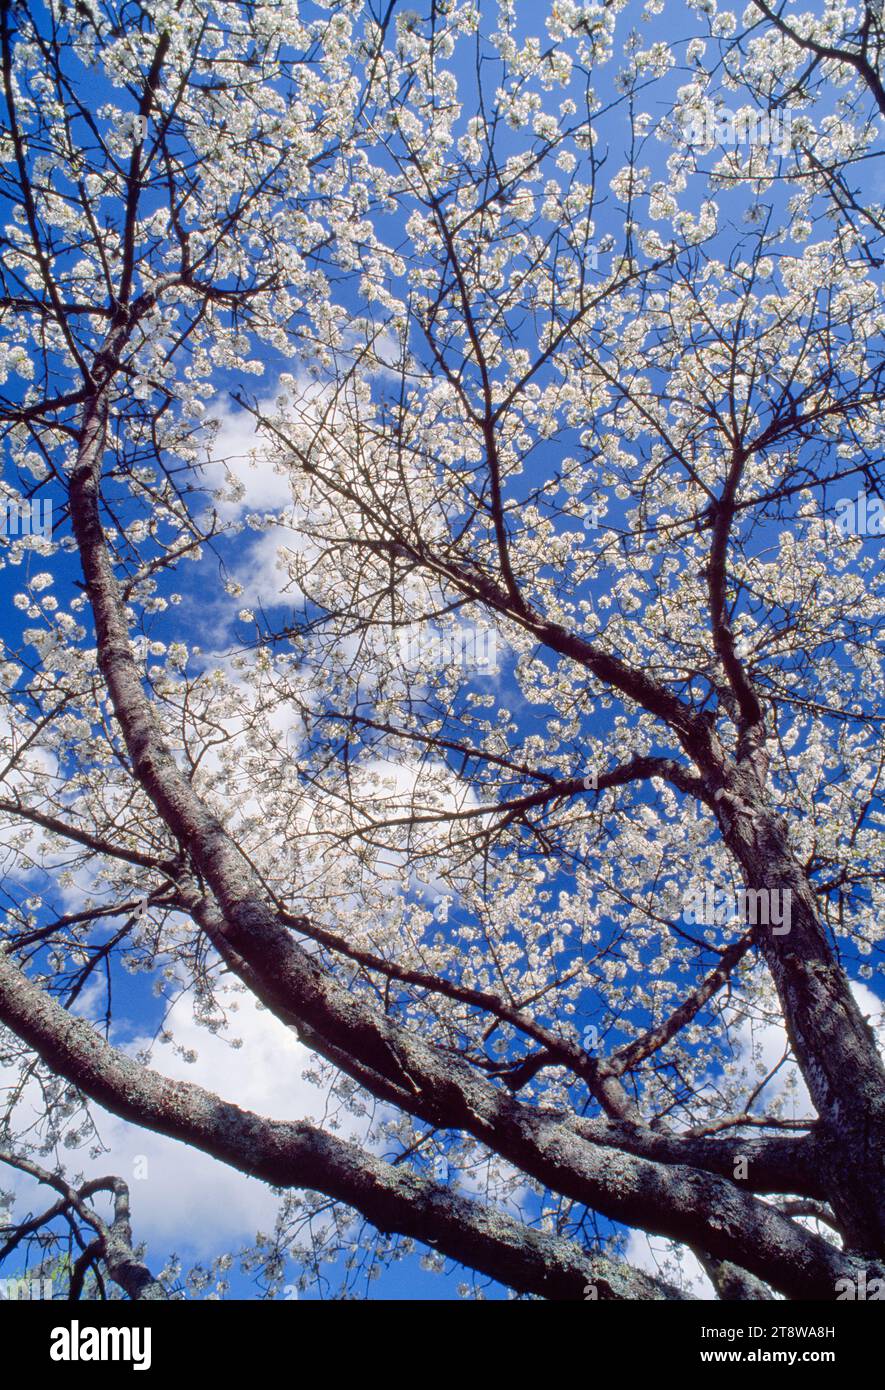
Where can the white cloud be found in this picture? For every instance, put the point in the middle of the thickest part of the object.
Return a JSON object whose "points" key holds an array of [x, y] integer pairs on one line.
{"points": [[765, 1044], [263, 571], [188, 1201], [239, 468], [669, 1261]]}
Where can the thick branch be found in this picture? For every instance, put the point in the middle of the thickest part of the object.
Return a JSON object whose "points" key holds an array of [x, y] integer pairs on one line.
{"points": [[294, 1154], [681, 1202]]}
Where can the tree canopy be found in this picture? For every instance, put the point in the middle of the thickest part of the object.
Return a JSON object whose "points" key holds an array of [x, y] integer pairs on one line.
{"points": [[442, 486]]}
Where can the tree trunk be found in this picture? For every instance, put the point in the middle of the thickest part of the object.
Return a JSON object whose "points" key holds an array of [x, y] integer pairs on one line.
{"points": [[833, 1044]]}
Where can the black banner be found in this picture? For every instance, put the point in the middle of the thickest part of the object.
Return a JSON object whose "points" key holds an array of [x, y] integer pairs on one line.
{"points": [[702, 1339]]}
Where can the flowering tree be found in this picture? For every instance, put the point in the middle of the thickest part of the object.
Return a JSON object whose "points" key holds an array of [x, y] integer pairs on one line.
{"points": [[536, 788]]}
